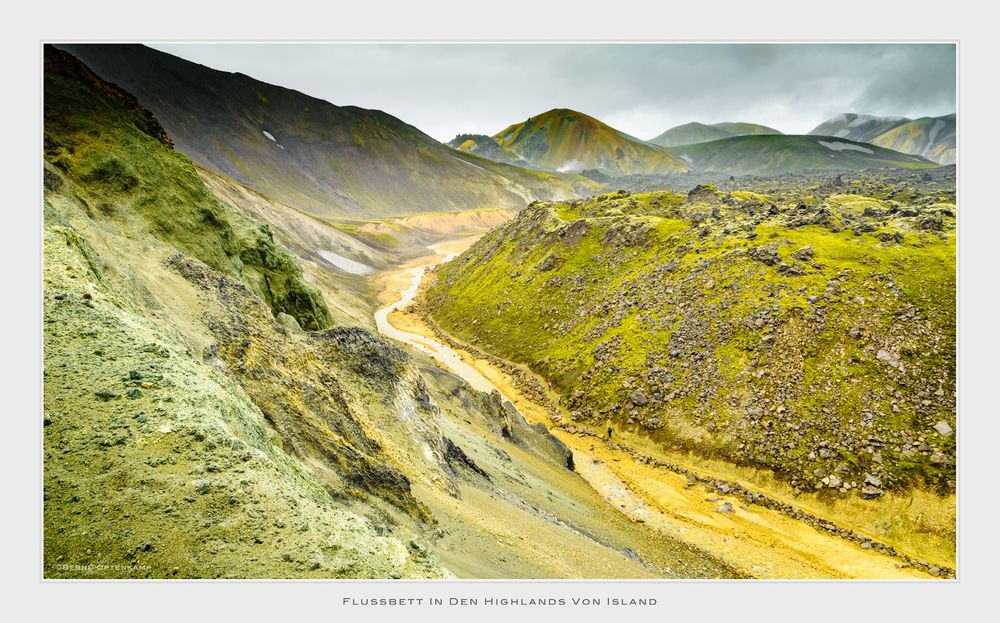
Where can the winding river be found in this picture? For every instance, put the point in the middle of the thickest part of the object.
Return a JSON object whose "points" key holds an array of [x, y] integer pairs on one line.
{"points": [[438, 351]]}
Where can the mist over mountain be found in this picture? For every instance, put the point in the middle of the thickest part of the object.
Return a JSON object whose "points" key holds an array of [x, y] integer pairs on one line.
{"points": [[695, 132], [931, 137], [856, 127]]}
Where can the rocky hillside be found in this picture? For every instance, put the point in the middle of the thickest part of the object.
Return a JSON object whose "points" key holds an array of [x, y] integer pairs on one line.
{"points": [[307, 153], [856, 127], [172, 448], [803, 325], [695, 132], [781, 154], [930, 137], [568, 141]]}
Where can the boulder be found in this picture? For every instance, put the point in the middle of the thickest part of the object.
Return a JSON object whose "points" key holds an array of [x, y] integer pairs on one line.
{"points": [[943, 428]]}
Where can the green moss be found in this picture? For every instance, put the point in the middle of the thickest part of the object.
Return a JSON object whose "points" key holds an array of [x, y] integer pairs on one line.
{"points": [[622, 291]]}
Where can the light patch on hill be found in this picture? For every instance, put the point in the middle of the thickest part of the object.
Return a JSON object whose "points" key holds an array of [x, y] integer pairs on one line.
{"points": [[345, 264], [838, 146], [938, 126]]}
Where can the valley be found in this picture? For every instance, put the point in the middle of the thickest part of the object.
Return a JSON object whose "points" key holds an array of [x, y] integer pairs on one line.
{"points": [[757, 541], [289, 339]]}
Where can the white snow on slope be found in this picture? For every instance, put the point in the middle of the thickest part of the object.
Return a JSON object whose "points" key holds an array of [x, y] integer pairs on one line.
{"points": [[932, 135], [838, 146], [269, 135], [345, 264]]}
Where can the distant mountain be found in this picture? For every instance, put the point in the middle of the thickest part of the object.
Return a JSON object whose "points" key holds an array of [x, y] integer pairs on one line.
{"points": [[695, 132], [777, 154], [324, 159], [930, 137], [855, 127], [487, 147], [738, 128], [569, 141]]}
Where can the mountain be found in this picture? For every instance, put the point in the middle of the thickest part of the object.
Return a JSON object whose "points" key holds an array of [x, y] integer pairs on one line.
{"points": [[569, 141], [330, 161], [855, 127], [806, 327], [487, 147], [695, 132], [738, 128], [778, 154], [930, 137]]}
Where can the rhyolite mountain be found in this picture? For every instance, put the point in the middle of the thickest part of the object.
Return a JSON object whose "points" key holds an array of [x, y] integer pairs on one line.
{"points": [[930, 137], [569, 141], [856, 127], [324, 159], [770, 154], [695, 132]]}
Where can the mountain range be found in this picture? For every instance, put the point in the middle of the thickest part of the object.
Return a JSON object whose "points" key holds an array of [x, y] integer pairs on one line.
{"points": [[569, 141], [337, 162], [774, 154]]}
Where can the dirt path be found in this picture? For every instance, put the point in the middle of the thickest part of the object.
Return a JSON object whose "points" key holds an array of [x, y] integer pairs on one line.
{"points": [[758, 541]]}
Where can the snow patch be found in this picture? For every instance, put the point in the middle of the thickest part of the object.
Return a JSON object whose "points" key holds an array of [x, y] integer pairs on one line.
{"points": [[842, 132], [838, 146], [686, 158], [932, 136], [269, 136], [345, 264]]}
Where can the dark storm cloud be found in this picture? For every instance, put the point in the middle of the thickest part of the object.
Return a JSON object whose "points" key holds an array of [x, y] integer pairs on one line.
{"points": [[642, 89]]}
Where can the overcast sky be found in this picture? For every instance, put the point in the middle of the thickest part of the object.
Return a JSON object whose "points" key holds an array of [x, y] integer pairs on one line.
{"points": [[445, 89]]}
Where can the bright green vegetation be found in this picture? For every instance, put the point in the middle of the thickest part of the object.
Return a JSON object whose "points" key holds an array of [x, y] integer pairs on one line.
{"points": [[327, 160], [566, 140], [931, 137], [768, 154], [695, 132], [124, 170], [804, 325]]}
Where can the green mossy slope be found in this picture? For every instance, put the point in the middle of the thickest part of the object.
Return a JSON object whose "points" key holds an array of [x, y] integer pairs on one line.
{"points": [[774, 154], [808, 328], [123, 165]]}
